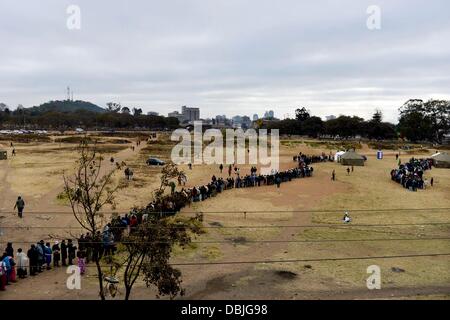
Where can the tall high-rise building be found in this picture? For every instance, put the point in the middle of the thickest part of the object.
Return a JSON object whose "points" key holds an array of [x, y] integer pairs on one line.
{"points": [[186, 115], [190, 114]]}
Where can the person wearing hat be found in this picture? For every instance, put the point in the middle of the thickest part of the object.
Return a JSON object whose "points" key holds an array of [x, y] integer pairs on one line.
{"points": [[20, 204]]}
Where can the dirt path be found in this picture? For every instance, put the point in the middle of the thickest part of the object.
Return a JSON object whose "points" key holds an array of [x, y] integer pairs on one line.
{"points": [[40, 211]]}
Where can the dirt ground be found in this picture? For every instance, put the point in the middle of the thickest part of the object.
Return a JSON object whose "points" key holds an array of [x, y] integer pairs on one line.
{"points": [[299, 221]]}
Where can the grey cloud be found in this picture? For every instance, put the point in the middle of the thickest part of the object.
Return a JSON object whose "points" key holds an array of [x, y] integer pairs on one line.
{"points": [[229, 56]]}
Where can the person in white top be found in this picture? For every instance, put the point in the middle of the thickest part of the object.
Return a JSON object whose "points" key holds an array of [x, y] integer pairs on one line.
{"points": [[22, 263], [346, 218]]}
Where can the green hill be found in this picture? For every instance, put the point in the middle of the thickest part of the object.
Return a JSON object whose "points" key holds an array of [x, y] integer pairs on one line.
{"points": [[66, 106]]}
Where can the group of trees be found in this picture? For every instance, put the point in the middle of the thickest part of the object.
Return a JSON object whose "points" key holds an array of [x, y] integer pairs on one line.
{"points": [[419, 121], [58, 115], [342, 126]]}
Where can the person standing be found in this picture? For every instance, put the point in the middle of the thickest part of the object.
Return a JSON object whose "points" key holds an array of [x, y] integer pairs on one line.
{"points": [[221, 168], [333, 175], [56, 254], [63, 253], [8, 267], [22, 264], [229, 170], [3, 277], [278, 181], [33, 259], [9, 249], [40, 255], [71, 251], [432, 181], [172, 187], [48, 255], [348, 171], [81, 262], [20, 205]]}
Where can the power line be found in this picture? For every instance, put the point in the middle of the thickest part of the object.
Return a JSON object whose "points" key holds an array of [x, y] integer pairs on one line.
{"points": [[301, 260], [331, 225], [237, 241], [249, 211]]}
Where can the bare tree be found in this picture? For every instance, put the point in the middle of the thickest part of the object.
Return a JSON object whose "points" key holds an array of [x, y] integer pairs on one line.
{"points": [[88, 191]]}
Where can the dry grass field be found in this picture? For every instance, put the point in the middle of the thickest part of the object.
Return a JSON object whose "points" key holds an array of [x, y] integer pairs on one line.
{"points": [[300, 223]]}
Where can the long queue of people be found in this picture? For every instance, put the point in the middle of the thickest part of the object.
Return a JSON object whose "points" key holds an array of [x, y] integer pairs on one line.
{"points": [[39, 257], [44, 256], [172, 203], [410, 174]]}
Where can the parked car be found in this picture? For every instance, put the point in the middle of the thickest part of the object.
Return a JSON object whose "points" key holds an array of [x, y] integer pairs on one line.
{"points": [[155, 162]]}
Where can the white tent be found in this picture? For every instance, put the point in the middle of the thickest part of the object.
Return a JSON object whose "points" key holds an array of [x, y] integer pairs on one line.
{"points": [[337, 156]]}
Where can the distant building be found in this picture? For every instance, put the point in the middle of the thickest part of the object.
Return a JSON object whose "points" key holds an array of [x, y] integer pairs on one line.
{"points": [[177, 115], [269, 114], [221, 119], [243, 122], [190, 114], [246, 122], [187, 114], [236, 121], [152, 113], [255, 117]]}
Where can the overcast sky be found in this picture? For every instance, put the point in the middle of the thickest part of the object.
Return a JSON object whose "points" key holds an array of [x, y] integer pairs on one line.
{"points": [[227, 56]]}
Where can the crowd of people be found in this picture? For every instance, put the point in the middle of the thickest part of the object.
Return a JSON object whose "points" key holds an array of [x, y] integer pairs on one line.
{"points": [[39, 257], [44, 256], [308, 159], [170, 204], [410, 174]]}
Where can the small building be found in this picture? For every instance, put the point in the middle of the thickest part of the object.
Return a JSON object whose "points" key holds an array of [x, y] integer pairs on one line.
{"points": [[441, 160], [351, 158], [3, 155]]}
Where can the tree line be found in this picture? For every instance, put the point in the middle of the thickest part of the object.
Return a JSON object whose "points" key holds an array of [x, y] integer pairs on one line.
{"points": [[418, 121], [33, 118]]}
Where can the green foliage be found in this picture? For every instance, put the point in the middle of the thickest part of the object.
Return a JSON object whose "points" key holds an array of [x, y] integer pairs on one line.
{"points": [[61, 115], [150, 245], [424, 121]]}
